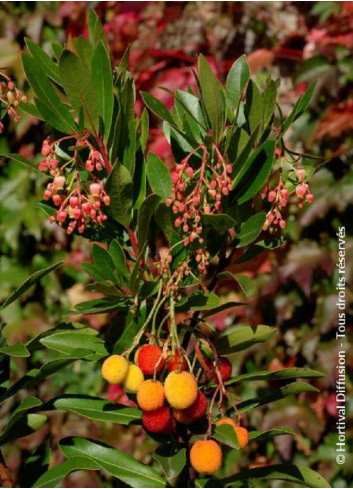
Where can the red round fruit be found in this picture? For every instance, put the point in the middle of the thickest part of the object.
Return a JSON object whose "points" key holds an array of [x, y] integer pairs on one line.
{"points": [[158, 420], [177, 362], [193, 413], [170, 428], [148, 357], [224, 367]]}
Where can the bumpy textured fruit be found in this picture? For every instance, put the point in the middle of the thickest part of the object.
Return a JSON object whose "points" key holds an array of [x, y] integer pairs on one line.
{"points": [[206, 456], [158, 420], [133, 378], [177, 362], [193, 413], [114, 369], [150, 395], [242, 433], [148, 357], [224, 366], [180, 389], [170, 428]]}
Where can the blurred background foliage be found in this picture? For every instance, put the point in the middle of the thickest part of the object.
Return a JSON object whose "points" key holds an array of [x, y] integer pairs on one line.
{"points": [[295, 285]]}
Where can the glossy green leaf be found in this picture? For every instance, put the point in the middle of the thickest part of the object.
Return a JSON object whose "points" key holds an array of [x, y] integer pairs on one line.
{"points": [[282, 374], [255, 436], [36, 464], [213, 97], [237, 78], [102, 80], [114, 461], [104, 263], [44, 60], [56, 113], [76, 344], [78, 86], [144, 217], [158, 176], [22, 423], [131, 324], [255, 172], [286, 472], [56, 474], [269, 102], [94, 408], [218, 222], [119, 188], [22, 160], [119, 259], [246, 283], [17, 350], [226, 434], [198, 302], [34, 278], [243, 337], [253, 107], [157, 107], [95, 29], [300, 107], [172, 461], [250, 229]]}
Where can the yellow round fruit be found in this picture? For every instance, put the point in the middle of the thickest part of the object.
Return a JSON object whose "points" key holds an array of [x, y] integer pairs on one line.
{"points": [[206, 456], [134, 378], [114, 369], [150, 395], [180, 389], [242, 433]]}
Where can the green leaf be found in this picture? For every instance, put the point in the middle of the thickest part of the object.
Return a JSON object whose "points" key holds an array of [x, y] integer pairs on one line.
{"points": [[94, 408], [35, 465], [253, 107], [114, 461], [119, 188], [218, 222], [95, 29], [17, 350], [255, 436], [76, 344], [104, 263], [269, 102], [35, 375], [158, 176], [246, 283], [78, 86], [102, 80], [22, 423], [157, 107], [23, 161], [198, 302], [255, 172], [250, 229], [119, 259], [273, 395], [100, 306], [286, 472], [237, 78], [28, 284], [55, 475], [130, 326], [144, 217], [47, 64], [144, 129], [242, 337], [172, 461], [213, 97], [282, 374], [223, 307], [56, 113], [226, 435], [300, 107]]}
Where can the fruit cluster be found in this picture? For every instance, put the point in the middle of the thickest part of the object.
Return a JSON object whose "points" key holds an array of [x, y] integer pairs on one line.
{"points": [[11, 97], [176, 400], [77, 203]]}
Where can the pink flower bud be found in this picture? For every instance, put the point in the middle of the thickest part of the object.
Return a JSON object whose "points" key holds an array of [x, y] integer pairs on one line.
{"points": [[310, 198], [106, 200], [284, 193], [47, 195], [282, 223], [271, 196], [185, 228], [59, 182], [95, 189], [189, 172], [86, 207], [46, 149], [229, 168], [76, 213], [62, 215], [225, 191], [301, 191], [174, 177], [73, 201], [177, 222], [56, 199]]}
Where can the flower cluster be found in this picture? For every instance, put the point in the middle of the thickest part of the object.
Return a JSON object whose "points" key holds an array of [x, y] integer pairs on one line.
{"points": [[11, 97], [198, 191], [77, 203], [279, 195]]}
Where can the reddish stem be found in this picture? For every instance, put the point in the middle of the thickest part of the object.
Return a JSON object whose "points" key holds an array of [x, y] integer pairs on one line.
{"points": [[104, 152], [133, 241]]}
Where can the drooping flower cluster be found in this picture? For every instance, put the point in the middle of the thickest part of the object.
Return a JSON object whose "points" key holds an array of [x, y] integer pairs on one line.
{"points": [[11, 97], [197, 191], [77, 203], [278, 197]]}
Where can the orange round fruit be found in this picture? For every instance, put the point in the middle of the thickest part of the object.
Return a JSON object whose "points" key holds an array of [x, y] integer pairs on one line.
{"points": [[206, 456], [150, 395], [193, 413], [242, 433]]}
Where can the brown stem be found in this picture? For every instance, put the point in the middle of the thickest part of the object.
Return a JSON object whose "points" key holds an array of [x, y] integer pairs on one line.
{"points": [[5, 474], [104, 152]]}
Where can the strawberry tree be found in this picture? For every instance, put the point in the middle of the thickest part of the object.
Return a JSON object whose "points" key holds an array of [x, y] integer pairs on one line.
{"points": [[164, 240]]}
